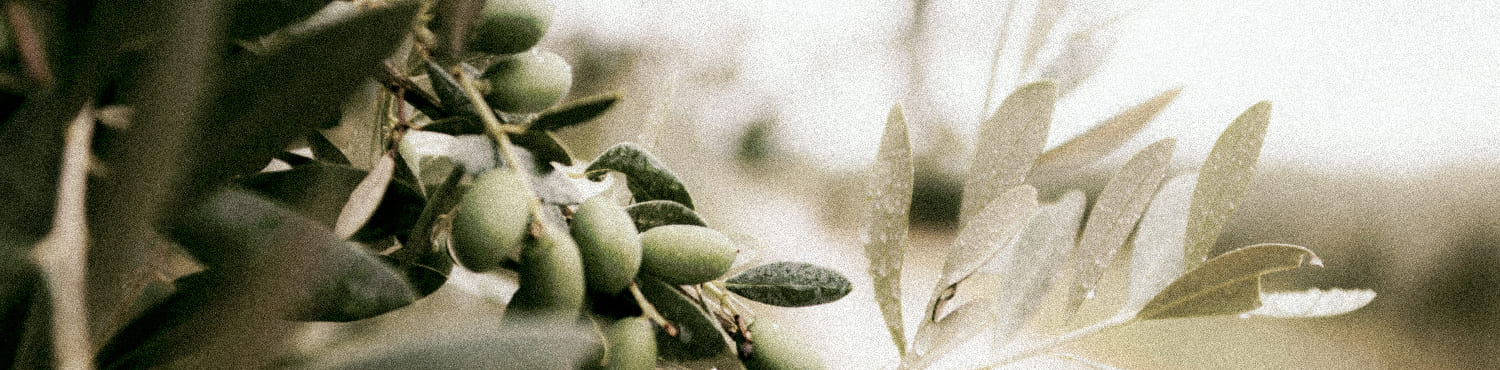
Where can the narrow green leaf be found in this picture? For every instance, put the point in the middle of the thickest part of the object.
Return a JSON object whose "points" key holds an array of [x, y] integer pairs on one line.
{"points": [[698, 337], [270, 100], [574, 112], [544, 147], [994, 229], [518, 345], [653, 213], [646, 176], [451, 96], [1115, 214], [324, 150], [884, 228], [1224, 178], [1008, 145], [1102, 139], [1227, 284], [455, 126], [251, 19], [321, 191], [1312, 303], [1028, 272], [365, 198], [790, 284], [1156, 258]]}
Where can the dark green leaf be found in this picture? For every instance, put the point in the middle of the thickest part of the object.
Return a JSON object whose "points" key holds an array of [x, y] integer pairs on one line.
{"points": [[250, 19], [790, 284], [454, 100], [324, 150], [457, 125], [544, 147], [450, 23], [653, 213], [698, 337], [321, 191], [647, 177], [574, 112], [24, 302], [270, 100], [884, 229], [1227, 284], [293, 159], [1223, 180]]}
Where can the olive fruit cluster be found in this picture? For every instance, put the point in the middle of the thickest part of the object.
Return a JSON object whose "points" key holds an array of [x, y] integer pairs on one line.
{"points": [[524, 80]]}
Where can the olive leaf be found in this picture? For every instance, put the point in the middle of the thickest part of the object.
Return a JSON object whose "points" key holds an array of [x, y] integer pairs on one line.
{"points": [[647, 177], [1223, 180], [544, 147], [1115, 214], [574, 112], [653, 213], [937, 339], [790, 284], [884, 229], [1028, 272], [1009, 143], [995, 228], [324, 150], [1312, 303], [365, 198], [1102, 139], [1156, 258], [1227, 284], [270, 100], [251, 19], [321, 191], [698, 336]]}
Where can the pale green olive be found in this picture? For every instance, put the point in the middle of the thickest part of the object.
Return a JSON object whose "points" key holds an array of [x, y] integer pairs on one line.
{"points": [[551, 274], [491, 220], [686, 254], [610, 245], [632, 344], [527, 82], [510, 26], [774, 347]]}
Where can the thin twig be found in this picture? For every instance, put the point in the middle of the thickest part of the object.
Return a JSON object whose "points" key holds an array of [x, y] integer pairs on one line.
{"points": [[649, 311]]}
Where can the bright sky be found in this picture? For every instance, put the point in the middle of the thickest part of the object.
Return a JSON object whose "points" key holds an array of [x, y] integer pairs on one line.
{"points": [[1389, 87]]}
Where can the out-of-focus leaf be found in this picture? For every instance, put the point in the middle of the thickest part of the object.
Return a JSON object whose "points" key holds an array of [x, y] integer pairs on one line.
{"points": [[24, 302], [450, 23], [653, 213], [937, 339], [1008, 145], [1156, 258], [1115, 214], [324, 150], [270, 100], [1026, 273], [1227, 284], [1048, 12], [790, 284], [1223, 180], [366, 196], [698, 337], [1312, 303], [518, 346], [574, 112], [884, 229], [420, 248], [992, 230], [1083, 52], [1104, 138], [293, 159], [544, 147], [647, 177], [250, 19], [321, 191], [423, 279]]}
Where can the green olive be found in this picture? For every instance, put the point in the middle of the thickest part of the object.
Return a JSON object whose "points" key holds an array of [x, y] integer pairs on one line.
{"points": [[632, 344], [774, 347], [491, 220], [610, 245], [528, 82], [510, 26], [685, 254], [551, 274]]}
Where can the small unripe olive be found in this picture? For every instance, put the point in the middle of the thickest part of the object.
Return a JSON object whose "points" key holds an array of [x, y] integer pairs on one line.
{"points": [[510, 26], [551, 274], [685, 254], [774, 347], [528, 82], [491, 220], [610, 245], [632, 344]]}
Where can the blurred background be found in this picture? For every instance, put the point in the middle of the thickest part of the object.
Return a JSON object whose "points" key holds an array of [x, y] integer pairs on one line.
{"points": [[1381, 155]]}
